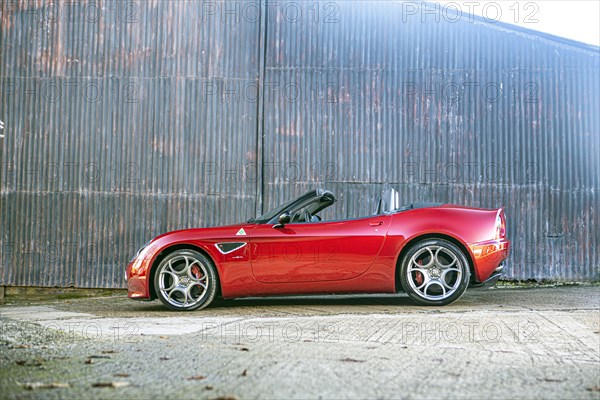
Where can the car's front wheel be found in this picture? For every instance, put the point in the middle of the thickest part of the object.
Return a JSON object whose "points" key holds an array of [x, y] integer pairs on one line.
{"points": [[185, 280], [434, 272]]}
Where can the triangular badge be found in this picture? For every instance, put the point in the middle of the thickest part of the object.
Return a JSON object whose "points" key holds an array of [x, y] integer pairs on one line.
{"points": [[241, 232]]}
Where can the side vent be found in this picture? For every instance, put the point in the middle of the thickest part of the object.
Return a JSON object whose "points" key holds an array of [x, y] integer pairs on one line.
{"points": [[229, 247]]}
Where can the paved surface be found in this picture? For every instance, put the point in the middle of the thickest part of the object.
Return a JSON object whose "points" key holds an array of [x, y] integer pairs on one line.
{"points": [[499, 343]]}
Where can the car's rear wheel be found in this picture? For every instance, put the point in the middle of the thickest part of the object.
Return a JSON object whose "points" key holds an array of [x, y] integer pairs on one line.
{"points": [[185, 280], [434, 272]]}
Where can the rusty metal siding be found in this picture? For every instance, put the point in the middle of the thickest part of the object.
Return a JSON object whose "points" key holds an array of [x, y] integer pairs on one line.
{"points": [[119, 129], [526, 136], [160, 115]]}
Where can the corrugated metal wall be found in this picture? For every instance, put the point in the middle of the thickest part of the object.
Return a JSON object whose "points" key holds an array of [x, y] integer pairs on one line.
{"points": [[118, 126], [459, 112], [149, 116]]}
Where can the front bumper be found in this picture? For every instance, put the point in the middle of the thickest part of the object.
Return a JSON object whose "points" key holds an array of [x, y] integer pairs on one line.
{"points": [[136, 277]]}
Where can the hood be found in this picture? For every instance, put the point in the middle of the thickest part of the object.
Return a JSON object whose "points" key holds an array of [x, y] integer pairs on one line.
{"points": [[216, 232]]}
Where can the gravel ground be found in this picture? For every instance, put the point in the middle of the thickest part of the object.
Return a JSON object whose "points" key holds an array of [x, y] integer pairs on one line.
{"points": [[499, 343]]}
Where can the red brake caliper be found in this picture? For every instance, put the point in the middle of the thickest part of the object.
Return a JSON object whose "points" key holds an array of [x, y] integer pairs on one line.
{"points": [[419, 276], [196, 272]]}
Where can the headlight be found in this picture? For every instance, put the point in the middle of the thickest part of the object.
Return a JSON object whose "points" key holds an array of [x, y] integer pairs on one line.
{"points": [[140, 250]]}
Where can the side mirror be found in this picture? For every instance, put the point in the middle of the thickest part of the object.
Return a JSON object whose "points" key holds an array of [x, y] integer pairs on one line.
{"points": [[282, 220]]}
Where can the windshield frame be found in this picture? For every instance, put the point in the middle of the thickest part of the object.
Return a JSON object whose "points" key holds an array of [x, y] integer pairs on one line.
{"points": [[271, 217]]}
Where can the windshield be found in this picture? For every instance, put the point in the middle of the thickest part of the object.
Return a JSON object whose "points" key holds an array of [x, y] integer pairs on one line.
{"points": [[272, 214], [322, 197]]}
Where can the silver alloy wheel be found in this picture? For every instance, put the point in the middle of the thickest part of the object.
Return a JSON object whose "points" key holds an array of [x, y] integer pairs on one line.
{"points": [[434, 272], [183, 281]]}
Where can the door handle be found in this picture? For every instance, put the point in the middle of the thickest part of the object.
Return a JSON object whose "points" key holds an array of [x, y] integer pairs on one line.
{"points": [[379, 223]]}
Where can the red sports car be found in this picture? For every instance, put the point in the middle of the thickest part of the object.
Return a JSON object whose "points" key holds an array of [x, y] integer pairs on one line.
{"points": [[431, 251]]}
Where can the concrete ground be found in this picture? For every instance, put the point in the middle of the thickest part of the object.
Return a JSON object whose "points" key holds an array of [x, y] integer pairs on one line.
{"points": [[499, 343]]}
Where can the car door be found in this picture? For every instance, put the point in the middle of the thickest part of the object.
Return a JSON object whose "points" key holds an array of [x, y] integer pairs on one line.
{"points": [[316, 251]]}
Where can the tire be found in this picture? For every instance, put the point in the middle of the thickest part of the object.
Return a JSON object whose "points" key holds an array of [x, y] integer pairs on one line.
{"points": [[434, 272], [185, 280]]}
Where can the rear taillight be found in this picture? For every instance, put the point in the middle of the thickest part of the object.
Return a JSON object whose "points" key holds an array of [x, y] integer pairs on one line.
{"points": [[500, 224]]}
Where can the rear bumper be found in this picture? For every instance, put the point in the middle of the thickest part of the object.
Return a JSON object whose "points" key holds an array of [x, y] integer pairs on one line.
{"points": [[491, 281], [488, 258]]}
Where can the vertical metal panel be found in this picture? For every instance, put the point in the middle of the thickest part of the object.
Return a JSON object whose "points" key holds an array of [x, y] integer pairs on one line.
{"points": [[128, 119], [454, 111], [124, 120]]}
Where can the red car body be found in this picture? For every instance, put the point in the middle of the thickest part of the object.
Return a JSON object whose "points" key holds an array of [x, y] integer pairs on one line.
{"points": [[349, 256]]}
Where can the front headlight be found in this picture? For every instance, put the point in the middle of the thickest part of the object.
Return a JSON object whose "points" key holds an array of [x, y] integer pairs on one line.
{"points": [[140, 250]]}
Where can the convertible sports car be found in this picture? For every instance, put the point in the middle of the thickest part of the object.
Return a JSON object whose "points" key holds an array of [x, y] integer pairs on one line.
{"points": [[431, 251]]}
